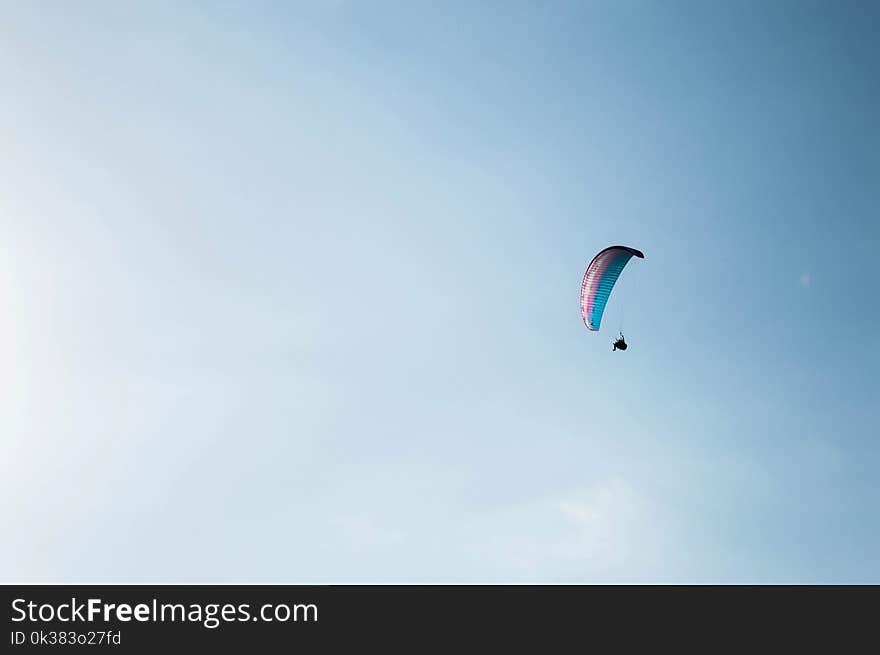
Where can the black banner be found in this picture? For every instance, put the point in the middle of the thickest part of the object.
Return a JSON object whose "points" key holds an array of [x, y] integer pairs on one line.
{"points": [[131, 618]]}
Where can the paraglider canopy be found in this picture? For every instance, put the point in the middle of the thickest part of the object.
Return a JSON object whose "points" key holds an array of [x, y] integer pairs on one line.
{"points": [[599, 280]]}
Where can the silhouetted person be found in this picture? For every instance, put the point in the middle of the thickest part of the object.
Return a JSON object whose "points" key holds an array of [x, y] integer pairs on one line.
{"points": [[620, 344]]}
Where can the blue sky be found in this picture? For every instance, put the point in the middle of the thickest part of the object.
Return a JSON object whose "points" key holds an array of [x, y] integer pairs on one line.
{"points": [[289, 292]]}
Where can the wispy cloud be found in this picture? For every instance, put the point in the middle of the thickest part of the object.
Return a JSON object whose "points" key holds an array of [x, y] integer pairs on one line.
{"points": [[805, 280], [608, 532], [363, 530]]}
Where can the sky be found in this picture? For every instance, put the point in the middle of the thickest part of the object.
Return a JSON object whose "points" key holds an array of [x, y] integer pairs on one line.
{"points": [[289, 292]]}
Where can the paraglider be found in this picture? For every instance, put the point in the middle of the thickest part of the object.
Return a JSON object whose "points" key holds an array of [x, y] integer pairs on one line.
{"points": [[599, 280]]}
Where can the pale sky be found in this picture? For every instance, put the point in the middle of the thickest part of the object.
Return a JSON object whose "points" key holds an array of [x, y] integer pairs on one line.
{"points": [[290, 291]]}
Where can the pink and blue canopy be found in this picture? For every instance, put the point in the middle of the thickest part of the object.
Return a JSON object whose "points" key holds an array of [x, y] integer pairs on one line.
{"points": [[599, 279]]}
